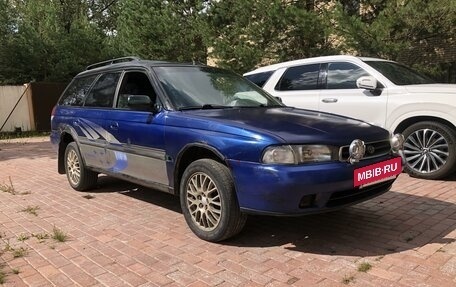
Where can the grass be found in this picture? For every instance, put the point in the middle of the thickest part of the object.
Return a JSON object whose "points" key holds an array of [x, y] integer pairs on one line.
{"points": [[31, 210], [27, 134], [41, 236], [22, 237], [9, 188], [59, 235], [19, 252], [2, 277], [347, 279], [7, 245], [364, 267]]}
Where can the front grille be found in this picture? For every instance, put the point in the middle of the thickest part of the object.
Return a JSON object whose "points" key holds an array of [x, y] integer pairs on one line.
{"points": [[373, 149], [341, 198]]}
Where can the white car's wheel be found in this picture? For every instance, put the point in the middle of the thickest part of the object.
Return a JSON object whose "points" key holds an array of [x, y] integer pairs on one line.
{"points": [[430, 150]]}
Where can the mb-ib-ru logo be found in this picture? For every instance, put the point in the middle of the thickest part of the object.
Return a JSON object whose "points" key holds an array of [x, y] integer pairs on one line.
{"points": [[377, 172]]}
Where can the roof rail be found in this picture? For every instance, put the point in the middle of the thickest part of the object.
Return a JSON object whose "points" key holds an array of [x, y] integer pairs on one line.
{"points": [[112, 61]]}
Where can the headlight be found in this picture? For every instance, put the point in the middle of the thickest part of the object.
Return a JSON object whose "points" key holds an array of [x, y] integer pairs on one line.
{"points": [[397, 142], [279, 154], [295, 154]]}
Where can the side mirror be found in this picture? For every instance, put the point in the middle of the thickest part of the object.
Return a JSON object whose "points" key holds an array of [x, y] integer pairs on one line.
{"points": [[139, 102], [135, 100], [279, 99], [367, 82]]}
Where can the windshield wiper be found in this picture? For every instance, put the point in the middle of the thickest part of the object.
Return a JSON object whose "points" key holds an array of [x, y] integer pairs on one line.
{"points": [[205, 107], [260, 106]]}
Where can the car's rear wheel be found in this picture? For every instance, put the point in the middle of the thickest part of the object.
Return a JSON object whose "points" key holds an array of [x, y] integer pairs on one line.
{"points": [[430, 150], [79, 177], [208, 200]]}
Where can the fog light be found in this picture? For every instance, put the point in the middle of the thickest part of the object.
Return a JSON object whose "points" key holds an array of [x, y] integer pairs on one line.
{"points": [[307, 201], [357, 150], [397, 142]]}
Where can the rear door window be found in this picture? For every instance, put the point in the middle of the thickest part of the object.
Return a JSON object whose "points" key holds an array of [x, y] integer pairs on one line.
{"points": [[299, 78], [102, 93], [75, 93]]}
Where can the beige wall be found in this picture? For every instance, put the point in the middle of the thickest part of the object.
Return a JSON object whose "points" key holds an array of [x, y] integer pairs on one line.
{"points": [[22, 116]]}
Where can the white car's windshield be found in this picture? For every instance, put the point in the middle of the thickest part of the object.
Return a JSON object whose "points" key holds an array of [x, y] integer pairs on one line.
{"points": [[399, 74], [193, 87]]}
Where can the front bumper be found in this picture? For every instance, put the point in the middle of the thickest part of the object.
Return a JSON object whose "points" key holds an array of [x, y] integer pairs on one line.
{"points": [[301, 189]]}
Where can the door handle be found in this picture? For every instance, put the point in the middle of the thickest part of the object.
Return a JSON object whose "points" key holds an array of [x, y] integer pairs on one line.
{"points": [[114, 125], [329, 100]]}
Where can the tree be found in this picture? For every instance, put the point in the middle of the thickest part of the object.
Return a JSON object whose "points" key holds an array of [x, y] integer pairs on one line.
{"points": [[250, 33], [171, 30], [49, 40], [412, 31]]}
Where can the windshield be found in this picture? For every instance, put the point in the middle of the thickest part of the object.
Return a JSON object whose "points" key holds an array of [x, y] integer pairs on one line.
{"points": [[193, 87], [399, 74]]}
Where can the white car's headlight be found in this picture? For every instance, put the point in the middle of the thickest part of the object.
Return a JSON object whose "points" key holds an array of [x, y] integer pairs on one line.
{"points": [[295, 154]]}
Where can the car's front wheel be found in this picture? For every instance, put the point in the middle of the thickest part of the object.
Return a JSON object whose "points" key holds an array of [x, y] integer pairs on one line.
{"points": [[79, 177], [430, 150], [208, 200]]}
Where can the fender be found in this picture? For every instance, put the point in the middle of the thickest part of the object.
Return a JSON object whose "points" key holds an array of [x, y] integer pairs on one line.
{"points": [[62, 146], [392, 126], [175, 177]]}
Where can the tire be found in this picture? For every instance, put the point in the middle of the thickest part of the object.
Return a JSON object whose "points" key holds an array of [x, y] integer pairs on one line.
{"points": [[79, 177], [208, 200], [430, 150]]}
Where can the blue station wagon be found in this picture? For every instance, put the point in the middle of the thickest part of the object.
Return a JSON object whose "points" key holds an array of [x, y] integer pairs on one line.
{"points": [[216, 140]]}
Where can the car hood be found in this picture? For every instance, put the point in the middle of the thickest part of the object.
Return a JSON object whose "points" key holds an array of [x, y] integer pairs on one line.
{"points": [[432, 88], [284, 124]]}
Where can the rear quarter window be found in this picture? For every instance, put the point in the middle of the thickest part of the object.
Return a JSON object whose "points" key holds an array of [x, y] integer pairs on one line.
{"points": [[299, 78], [259, 79], [77, 90]]}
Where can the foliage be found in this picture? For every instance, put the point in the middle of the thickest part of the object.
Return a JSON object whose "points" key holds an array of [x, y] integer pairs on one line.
{"points": [[248, 33], [53, 40], [412, 31], [48, 40], [171, 30]]}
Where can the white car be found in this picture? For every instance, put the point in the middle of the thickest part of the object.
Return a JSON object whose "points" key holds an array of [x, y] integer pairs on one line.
{"points": [[380, 92]]}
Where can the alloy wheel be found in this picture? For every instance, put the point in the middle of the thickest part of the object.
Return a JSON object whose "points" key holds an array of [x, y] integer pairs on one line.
{"points": [[203, 201], [73, 167], [426, 150]]}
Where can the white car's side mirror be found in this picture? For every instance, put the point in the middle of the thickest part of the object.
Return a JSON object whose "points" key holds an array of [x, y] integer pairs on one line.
{"points": [[367, 82]]}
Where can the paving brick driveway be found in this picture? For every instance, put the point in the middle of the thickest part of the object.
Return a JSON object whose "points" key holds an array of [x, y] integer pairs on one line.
{"points": [[125, 235]]}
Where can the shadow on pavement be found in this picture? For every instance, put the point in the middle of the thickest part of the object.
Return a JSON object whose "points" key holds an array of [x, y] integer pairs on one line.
{"points": [[20, 148], [107, 184], [390, 223]]}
